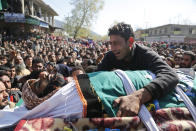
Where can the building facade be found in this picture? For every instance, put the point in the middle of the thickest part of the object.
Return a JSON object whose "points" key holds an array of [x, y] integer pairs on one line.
{"points": [[19, 17], [168, 33]]}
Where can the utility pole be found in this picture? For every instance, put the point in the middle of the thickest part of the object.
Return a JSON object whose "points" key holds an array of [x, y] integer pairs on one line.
{"points": [[146, 30]]}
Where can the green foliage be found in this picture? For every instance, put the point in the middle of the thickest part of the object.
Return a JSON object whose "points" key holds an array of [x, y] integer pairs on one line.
{"points": [[105, 38], [83, 33], [82, 15]]}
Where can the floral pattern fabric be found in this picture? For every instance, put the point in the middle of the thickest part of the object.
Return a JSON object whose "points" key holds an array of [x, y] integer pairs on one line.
{"points": [[169, 119]]}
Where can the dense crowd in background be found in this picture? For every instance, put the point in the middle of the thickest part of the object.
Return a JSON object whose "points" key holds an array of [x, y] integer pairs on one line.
{"points": [[23, 59]]}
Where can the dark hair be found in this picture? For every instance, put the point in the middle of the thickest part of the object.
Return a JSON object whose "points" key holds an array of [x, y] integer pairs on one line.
{"points": [[89, 62], [37, 60], [77, 68], [28, 56], [51, 63], [57, 80], [122, 29], [191, 54], [58, 53], [61, 61], [3, 73], [3, 57], [3, 67], [91, 68], [10, 65]]}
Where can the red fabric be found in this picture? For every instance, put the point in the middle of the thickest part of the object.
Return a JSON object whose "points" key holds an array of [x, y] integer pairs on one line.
{"points": [[11, 98], [168, 119], [131, 40], [20, 125]]}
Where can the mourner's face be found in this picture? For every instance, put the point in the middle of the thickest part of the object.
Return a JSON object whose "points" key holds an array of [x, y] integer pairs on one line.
{"points": [[19, 60], [12, 72], [3, 61], [186, 62], [58, 57], [3, 96], [119, 46], [6, 80], [29, 61], [37, 66], [53, 58], [50, 68]]}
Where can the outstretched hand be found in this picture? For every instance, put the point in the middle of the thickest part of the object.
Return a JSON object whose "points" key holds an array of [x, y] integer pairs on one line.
{"points": [[130, 105], [43, 75]]}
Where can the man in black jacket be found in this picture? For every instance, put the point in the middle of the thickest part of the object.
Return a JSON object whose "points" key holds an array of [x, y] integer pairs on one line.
{"points": [[37, 67], [126, 55]]}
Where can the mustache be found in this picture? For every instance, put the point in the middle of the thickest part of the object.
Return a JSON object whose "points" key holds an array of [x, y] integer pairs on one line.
{"points": [[5, 99]]}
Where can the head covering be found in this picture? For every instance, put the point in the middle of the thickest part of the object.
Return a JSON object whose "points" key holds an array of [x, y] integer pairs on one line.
{"points": [[30, 99]]}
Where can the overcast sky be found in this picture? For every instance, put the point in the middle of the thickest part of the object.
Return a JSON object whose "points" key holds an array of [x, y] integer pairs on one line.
{"points": [[138, 13]]}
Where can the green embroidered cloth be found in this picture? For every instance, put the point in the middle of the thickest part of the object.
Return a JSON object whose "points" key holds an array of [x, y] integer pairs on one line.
{"points": [[109, 87]]}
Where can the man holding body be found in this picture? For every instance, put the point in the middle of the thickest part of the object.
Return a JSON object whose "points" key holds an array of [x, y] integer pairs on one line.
{"points": [[125, 55]]}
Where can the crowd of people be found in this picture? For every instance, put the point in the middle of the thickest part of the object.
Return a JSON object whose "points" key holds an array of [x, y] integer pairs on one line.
{"points": [[28, 58], [24, 59]]}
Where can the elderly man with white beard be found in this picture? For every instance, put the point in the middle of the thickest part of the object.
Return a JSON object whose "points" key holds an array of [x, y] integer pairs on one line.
{"points": [[20, 66]]}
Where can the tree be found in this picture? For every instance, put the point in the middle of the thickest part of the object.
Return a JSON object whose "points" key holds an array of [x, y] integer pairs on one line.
{"points": [[82, 15], [84, 33], [105, 38], [68, 26]]}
